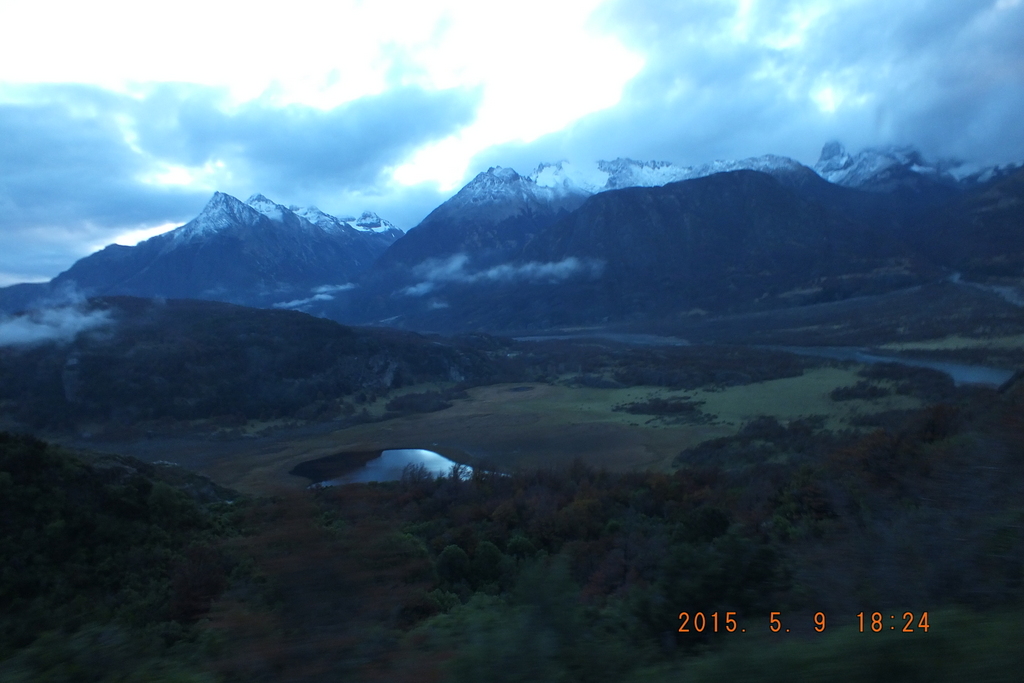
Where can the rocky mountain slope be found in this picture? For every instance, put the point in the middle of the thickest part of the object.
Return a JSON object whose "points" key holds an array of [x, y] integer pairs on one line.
{"points": [[573, 244], [257, 253]]}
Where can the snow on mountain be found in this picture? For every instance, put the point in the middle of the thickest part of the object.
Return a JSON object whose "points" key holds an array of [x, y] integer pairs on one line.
{"points": [[975, 174], [222, 211], [564, 180], [371, 222], [571, 178], [271, 210], [367, 222], [619, 173], [493, 186], [876, 168], [866, 167], [324, 221]]}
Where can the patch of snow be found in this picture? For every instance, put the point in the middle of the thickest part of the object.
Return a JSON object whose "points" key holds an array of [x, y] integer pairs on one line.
{"points": [[838, 166], [551, 182], [274, 212], [569, 177], [371, 222], [222, 211]]}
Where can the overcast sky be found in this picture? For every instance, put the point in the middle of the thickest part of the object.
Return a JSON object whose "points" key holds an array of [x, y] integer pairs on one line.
{"points": [[118, 120]]}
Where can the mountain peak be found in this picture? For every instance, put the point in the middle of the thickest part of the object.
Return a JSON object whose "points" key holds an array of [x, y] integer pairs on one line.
{"points": [[570, 178], [220, 212], [371, 222], [271, 210], [495, 185], [833, 149], [883, 167], [505, 174]]}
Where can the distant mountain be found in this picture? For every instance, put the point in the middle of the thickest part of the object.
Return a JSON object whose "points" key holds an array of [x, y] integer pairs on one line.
{"points": [[490, 218], [256, 253], [982, 233], [589, 243], [734, 241], [901, 167], [499, 208]]}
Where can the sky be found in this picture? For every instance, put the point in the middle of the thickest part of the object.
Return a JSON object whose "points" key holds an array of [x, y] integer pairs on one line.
{"points": [[118, 120]]}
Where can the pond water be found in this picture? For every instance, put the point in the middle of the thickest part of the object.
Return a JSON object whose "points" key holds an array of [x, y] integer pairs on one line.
{"points": [[961, 374], [389, 464]]}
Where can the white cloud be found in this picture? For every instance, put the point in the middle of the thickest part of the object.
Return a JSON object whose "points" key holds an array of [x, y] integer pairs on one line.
{"points": [[132, 237], [540, 65], [300, 303], [330, 289], [321, 293], [60, 324], [453, 269]]}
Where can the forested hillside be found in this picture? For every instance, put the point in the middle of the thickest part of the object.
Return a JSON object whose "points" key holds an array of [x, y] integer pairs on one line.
{"points": [[572, 574]]}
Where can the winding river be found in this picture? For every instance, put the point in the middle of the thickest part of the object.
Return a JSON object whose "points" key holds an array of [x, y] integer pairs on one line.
{"points": [[961, 374]]}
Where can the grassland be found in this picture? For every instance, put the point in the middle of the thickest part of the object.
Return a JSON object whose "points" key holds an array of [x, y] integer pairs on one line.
{"points": [[510, 426], [957, 341]]}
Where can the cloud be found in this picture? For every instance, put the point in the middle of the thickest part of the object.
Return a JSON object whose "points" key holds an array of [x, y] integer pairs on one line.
{"points": [[296, 146], [731, 80], [60, 325], [453, 269], [81, 165], [421, 289], [329, 289], [321, 293], [299, 303]]}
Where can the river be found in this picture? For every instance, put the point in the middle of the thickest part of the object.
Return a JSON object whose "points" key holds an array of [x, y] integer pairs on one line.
{"points": [[961, 374]]}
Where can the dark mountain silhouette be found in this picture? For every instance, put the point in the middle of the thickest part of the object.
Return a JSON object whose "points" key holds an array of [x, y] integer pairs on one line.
{"points": [[257, 253], [511, 252], [728, 242]]}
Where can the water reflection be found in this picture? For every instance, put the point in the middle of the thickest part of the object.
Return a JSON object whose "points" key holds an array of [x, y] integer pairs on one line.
{"points": [[389, 465], [961, 374]]}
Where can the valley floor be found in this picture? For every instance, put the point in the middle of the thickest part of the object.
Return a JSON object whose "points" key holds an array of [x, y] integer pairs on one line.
{"points": [[514, 426]]}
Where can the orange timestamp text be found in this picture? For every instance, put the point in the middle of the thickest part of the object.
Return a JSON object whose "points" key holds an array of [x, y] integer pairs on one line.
{"points": [[727, 622]]}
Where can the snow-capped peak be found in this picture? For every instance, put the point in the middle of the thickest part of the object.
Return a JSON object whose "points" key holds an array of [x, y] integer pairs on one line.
{"points": [[222, 211], [371, 222], [494, 185], [271, 210], [322, 220], [619, 173], [872, 165], [569, 177], [367, 222], [564, 181]]}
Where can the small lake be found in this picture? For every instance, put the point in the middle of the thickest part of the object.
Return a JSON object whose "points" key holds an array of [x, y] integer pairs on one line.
{"points": [[352, 468], [961, 374]]}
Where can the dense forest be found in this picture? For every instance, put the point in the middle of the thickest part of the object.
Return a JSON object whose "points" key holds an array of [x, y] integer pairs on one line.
{"points": [[120, 570], [159, 365]]}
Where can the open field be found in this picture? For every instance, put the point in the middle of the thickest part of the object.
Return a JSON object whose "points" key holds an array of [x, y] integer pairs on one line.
{"points": [[957, 341], [1002, 351], [507, 426]]}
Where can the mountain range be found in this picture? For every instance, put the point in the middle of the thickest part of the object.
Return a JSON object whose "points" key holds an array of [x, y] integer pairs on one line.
{"points": [[256, 253], [566, 245]]}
